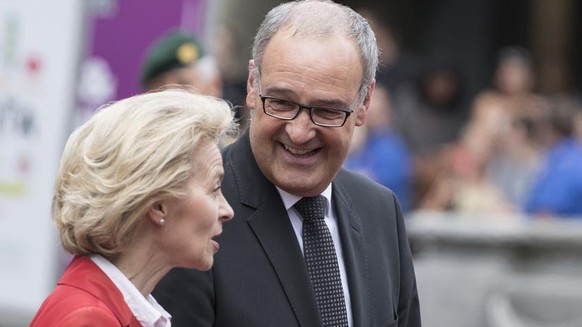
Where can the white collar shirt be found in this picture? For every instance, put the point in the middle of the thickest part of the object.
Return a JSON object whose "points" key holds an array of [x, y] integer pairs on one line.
{"points": [[145, 309]]}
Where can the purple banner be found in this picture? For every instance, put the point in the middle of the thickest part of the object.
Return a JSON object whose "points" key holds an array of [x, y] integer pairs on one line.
{"points": [[120, 33]]}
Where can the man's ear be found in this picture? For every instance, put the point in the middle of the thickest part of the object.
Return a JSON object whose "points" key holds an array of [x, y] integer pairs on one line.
{"points": [[251, 91], [362, 111]]}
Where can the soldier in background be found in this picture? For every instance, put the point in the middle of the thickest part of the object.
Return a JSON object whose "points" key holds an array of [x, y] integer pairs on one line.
{"points": [[178, 58]]}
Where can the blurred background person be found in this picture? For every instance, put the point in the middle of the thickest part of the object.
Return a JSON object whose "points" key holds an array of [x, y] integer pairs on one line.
{"points": [[557, 187], [137, 193], [462, 186], [379, 152], [511, 96], [178, 58], [503, 125], [397, 66], [434, 100], [490, 167], [429, 114]]}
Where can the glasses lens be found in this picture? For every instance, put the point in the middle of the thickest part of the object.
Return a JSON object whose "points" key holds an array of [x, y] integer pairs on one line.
{"points": [[328, 117], [280, 108]]}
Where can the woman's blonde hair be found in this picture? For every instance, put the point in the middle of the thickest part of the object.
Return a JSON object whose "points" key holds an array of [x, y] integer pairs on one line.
{"points": [[128, 156]]}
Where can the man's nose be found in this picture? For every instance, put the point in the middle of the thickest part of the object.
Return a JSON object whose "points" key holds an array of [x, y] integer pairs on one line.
{"points": [[301, 128]]}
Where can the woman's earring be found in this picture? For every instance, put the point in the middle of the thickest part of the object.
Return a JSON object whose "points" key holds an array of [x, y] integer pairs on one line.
{"points": [[162, 222]]}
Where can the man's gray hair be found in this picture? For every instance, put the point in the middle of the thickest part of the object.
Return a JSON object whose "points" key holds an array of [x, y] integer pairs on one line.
{"points": [[315, 18]]}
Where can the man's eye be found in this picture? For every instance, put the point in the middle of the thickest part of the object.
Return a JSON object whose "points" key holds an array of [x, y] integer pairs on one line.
{"points": [[328, 113], [281, 104]]}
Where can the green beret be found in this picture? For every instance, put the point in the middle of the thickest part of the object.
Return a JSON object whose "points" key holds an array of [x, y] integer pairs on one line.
{"points": [[173, 50]]}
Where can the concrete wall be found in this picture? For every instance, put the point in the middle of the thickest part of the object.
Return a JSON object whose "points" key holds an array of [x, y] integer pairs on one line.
{"points": [[489, 272]]}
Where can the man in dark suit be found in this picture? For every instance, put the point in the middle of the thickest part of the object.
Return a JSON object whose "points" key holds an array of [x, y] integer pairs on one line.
{"points": [[309, 85]]}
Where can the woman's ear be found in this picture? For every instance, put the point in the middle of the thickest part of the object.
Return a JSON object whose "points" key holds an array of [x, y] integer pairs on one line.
{"points": [[158, 212]]}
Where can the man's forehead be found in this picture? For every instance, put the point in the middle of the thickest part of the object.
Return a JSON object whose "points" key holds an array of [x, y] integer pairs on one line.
{"points": [[338, 52]]}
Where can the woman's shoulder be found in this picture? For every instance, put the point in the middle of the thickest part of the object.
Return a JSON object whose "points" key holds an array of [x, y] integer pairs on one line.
{"points": [[71, 306]]}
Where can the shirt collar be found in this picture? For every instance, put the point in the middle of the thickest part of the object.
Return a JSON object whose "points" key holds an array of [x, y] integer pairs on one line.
{"points": [[145, 309], [289, 199]]}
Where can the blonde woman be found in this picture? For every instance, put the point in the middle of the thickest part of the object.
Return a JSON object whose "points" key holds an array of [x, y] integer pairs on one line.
{"points": [[137, 194]]}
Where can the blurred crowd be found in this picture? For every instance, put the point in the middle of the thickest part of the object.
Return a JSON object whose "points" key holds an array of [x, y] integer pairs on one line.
{"points": [[506, 151]]}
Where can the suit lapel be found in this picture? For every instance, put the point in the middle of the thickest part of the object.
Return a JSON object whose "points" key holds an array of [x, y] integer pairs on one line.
{"points": [[355, 252], [272, 228], [274, 231]]}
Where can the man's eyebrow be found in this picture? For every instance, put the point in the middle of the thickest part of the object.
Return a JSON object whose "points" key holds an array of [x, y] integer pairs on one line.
{"points": [[278, 91]]}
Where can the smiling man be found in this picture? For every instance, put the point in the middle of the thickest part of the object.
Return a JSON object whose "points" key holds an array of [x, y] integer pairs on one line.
{"points": [[311, 243]]}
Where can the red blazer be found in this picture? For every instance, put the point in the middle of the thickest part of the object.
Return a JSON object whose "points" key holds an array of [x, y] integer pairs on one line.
{"points": [[86, 297]]}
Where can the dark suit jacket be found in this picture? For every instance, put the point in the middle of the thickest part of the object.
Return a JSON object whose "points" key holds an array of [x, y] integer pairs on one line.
{"points": [[259, 277], [84, 296]]}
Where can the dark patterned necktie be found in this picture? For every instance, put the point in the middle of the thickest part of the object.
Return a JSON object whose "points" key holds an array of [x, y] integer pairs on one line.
{"points": [[321, 260]]}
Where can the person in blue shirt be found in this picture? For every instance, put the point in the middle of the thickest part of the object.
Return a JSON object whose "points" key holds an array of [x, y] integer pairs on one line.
{"points": [[380, 153], [557, 189]]}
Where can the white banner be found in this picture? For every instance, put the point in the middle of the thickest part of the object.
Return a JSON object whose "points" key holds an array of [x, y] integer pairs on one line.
{"points": [[40, 51]]}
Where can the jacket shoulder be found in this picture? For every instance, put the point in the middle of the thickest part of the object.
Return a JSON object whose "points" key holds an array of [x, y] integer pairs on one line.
{"points": [[70, 306], [358, 184]]}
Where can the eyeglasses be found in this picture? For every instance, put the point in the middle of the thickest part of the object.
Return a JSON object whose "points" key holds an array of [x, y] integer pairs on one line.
{"points": [[289, 110]]}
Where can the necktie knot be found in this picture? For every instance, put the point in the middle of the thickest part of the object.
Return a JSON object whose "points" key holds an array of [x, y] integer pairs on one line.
{"points": [[312, 208]]}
